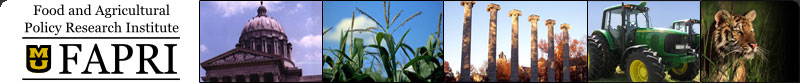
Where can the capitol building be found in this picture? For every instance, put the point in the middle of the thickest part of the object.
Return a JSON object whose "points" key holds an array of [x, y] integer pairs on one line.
{"points": [[263, 54]]}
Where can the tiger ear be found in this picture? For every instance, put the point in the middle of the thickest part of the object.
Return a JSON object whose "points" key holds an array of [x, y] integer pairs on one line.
{"points": [[721, 16], [750, 15]]}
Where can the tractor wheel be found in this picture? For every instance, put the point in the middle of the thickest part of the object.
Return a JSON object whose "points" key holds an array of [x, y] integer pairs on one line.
{"points": [[601, 63], [685, 72], [644, 66]]}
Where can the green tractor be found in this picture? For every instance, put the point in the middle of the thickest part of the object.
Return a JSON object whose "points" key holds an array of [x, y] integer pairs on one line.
{"points": [[686, 26], [627, 40]]}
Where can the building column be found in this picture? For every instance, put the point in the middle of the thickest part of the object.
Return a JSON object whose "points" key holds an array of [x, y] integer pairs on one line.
{"points": [[267, 46], [279, 48], [216, 79], [247, 78], [279, 77], [262, 76], [274, 48], [255, 77], [534, 52], [465, 43], [565, 49], [550, 51], [514, 14], [492, 71], [288, 50]]}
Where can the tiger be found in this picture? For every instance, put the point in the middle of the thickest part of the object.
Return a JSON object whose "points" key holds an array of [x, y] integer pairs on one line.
{"points": [[733, 38]]}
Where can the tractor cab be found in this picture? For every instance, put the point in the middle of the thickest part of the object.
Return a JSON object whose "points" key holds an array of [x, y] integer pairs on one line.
{"points": [[686, 25], [627, 39], [623, 20]]}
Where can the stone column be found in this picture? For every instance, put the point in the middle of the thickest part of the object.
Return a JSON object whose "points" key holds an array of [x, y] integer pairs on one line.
{"points": [[492, 70], [550, 51], [534, 52], [565, 49], [262, 77], [249, 78], [514, 14], [465, 43]]}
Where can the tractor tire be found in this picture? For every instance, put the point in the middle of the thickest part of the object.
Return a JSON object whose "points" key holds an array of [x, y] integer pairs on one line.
{"points": [[685, 72], [601, 63], [643, 66]]}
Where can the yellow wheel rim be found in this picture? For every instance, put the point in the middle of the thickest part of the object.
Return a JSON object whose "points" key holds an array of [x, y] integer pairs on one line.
{"points": [[638, 71], [681, 70]]}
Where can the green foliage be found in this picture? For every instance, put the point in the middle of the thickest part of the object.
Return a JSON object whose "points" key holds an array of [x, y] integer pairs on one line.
{"points": [[347, 64]]}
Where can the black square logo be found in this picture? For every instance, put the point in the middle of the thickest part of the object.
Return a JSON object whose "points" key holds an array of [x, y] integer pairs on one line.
{"points": [[38, 58]]}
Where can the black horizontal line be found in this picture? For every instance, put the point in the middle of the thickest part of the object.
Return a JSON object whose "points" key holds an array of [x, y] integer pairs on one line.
{"points": [[101, 37], [101, 78]]}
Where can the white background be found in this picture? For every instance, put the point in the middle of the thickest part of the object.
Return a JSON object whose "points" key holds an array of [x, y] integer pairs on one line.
{"points": [[14, 14]]}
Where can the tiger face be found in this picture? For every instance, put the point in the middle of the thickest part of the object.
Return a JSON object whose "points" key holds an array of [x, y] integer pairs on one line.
{"points": [[733, 38], [733, 34]]}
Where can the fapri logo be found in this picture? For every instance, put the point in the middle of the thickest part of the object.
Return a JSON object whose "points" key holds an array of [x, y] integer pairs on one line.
{"points": [[38, 58], [38, 61]]}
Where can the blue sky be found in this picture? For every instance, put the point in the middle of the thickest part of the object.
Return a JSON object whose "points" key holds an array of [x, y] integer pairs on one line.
{"points": [[339, 13], [570, 12], [662, 13], [221, 24]]}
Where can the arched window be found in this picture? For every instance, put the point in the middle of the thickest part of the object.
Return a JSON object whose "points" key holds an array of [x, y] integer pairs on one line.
{"points": [[280, 48], [269, 46], [259, 45], [245, 44]]}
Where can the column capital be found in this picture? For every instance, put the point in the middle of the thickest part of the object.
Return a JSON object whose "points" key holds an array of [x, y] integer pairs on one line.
{"points": [[550, 22], [533, 18], [493, 7], [467, 3], [514, 13]]}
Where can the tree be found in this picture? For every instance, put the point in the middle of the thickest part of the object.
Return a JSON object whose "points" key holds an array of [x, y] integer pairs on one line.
{"points": [[542, 68], [503, 68], [449, 77], [577, 58]]}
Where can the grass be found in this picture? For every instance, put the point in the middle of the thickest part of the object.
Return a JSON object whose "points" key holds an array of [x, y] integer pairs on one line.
{"points": [[619, 76]]}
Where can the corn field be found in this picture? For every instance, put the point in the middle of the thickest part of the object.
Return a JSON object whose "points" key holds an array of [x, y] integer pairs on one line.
{"points": [[347, 63]]}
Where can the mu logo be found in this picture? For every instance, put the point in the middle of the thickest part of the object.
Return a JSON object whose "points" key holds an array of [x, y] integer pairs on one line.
{"points": [[38, 58]]}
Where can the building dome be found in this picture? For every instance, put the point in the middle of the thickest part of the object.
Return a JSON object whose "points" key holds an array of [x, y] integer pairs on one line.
{"points": [[262, 22], [265, 34], [263, 54]]}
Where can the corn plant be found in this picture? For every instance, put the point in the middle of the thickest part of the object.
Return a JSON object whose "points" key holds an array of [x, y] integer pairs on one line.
{"points": [[348, 65]]}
